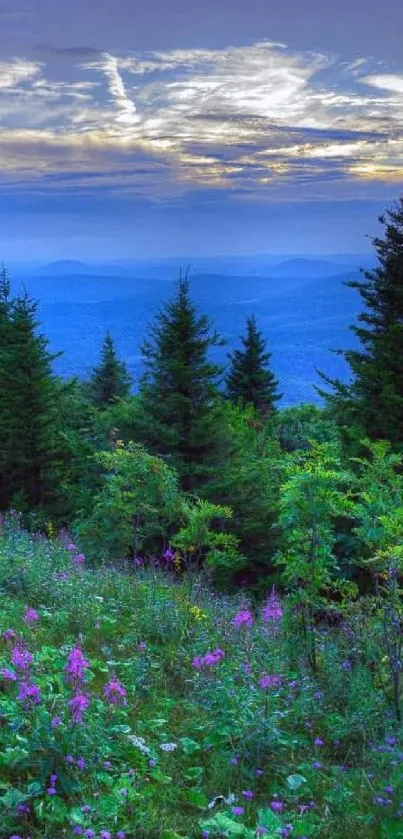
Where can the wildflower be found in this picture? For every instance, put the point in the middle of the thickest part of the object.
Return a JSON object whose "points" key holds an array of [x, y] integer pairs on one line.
{"points": [[168, 555], [205, 834], [76, 666], [319, 741], [208, 660], [152, 763], [286, 831], [237, 811], [51, 791], [138, 561], [346, 665], [272, 681], [272, 610], [81, 763], [79, 559], [168, 747], [248, 794], [104, 834], [259, 773], [107, 764], [53, 779], [261, 830], [114, 692], [71, 547], [277, 806], [78, 831], [120, 834], [56, 722], [318, 695], [8, 634], [89, 834], [31, 616], [78, 705], [235, 760], [29, 694], [316, 765], [141, 646], [8, 675], [243, 618], [21, 658], [86, 808], [69, 759], [389, 790]]}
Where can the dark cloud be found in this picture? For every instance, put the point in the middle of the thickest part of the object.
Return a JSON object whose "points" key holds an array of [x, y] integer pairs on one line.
{"points": [[67, 52]]}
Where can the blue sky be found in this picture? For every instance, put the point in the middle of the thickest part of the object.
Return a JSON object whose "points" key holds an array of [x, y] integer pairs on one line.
{"points": [[161, 128]]}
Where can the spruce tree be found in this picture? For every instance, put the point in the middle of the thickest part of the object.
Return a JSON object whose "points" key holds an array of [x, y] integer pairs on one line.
{"points": [[29, 432], [250, 380], [178, 394], [373, 400], [110, 380]]}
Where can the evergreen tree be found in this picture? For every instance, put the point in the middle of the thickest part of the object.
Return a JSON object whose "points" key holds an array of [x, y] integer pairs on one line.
{"points": [[250, 381], [110, 380], [374, 398], [29, 438], [179, 395]]}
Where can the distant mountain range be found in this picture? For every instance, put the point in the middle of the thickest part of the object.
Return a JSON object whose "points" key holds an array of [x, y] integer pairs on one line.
{"points": [[302, 305]]}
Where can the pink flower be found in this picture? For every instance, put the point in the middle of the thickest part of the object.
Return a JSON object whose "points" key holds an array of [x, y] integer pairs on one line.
{"points": [[208, 660], [277, 806], [114, 692], [79, 559], [8, 634], [71, 547], [31, 616]]}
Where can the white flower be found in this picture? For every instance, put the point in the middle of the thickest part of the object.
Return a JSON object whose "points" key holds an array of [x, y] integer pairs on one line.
{"points": [[168, 747], [139, 744]]}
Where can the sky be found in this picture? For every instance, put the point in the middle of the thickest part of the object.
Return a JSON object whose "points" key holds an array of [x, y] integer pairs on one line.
{"points": [[167, 127]]}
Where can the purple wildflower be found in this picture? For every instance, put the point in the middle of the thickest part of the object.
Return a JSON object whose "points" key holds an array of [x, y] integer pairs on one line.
{"points": [[208, 660], [69, 759], [31, 616], [89, 834], [8, 675], [76, 666], [243, 618], [78, 831], [86, 808], [78, 705], [56, 722], [120, 834], [81, 763], [270, 681], [248, 794], [237, 811], [71, 547], [21, 658], [316, 765], [51, 791], [29, 694], [22, 809], [114, 692], [104, 834], [168, 555], [346, 665], [79, 559], [319, 741], [8, 634], [272, 610], [277, 806]]}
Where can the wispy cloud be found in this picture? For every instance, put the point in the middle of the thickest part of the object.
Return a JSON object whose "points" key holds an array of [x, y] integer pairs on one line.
{"points": [[250, 119]]}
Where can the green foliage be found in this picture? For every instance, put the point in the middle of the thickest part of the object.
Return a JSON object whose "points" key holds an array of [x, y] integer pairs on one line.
{"points": [[110, 380], [296, 427], [178, 416], [374, 399], [250, 381], [135, 506], [202, 540], [29, 430]]}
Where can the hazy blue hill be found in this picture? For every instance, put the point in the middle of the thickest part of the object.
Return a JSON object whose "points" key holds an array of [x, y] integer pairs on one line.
{"points": [[303, 316]]}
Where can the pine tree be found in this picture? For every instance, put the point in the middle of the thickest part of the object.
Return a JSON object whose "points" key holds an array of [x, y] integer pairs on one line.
{"points": [[179, 392], [250, 380], [29, 438], [110, 380], [374, 398]]}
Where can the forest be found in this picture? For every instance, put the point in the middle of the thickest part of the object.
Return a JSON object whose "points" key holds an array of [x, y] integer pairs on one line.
{"points": [[202, 622]]}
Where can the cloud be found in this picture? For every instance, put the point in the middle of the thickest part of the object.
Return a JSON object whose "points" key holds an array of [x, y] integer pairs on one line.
{"points": [[251, 120]]}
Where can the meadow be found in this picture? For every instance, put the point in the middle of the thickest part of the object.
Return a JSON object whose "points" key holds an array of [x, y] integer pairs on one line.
{"points": [[136, 702]]}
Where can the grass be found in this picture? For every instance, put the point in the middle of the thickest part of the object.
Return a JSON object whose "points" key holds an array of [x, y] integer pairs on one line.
{"points": [[199, 748]]}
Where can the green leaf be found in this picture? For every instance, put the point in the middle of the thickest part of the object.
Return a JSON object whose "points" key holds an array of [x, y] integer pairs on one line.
{"points": [[189, 746], [228, 827], [197, 798], [295, 781]]}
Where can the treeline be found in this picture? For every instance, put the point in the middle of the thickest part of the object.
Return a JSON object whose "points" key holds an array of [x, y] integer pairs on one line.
{"points": [[201, 461]]}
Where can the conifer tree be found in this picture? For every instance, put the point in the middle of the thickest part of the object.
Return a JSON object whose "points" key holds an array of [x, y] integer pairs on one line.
{"points": [[250, 380], [179, 395], [110, 380], [29, 440], [374, 398]]}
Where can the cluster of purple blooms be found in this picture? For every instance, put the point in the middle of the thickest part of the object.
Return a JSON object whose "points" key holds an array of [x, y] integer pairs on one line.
{"points": [[78, 558], [243, 618], [270, 681], [209, 660], [114, 692], [29, 694], [272, 610]]}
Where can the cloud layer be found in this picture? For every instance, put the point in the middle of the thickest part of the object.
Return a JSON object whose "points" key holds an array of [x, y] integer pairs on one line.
{"points": [[258, 122]]}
